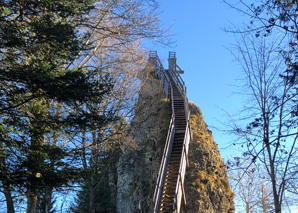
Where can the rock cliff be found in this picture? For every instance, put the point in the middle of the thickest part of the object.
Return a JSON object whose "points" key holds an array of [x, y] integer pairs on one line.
{"points": [[206, 184], [137, 169], [207, 188]]}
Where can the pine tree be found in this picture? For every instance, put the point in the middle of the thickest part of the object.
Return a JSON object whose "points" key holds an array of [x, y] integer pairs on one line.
{"points": [[41, 97]]}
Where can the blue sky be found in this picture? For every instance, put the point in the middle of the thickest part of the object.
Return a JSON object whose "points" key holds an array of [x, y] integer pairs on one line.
{"points": [[201, 49]]}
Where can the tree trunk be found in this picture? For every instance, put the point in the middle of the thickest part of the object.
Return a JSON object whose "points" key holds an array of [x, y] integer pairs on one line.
{"points": [[92, 196], [276, 200], [5, 183], [49, 192], [35, 159], [32, 203], [247, 207], [277, 205], [9, 200]]}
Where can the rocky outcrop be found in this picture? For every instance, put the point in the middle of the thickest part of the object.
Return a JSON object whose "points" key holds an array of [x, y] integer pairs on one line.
{"points": [[206, 184], [137, 169]]}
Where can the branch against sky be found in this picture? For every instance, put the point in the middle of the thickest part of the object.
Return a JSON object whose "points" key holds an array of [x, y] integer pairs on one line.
{"points": [[252, 190], [119, 29], [267, 125]]}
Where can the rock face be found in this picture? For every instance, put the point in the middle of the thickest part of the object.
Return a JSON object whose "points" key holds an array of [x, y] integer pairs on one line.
{"points": [[206, 185], [137, 169]]}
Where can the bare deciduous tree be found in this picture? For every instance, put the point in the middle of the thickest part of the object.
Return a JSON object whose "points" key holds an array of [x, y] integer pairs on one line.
{"points": [[267, 126], [120, 27], [251, 186]]}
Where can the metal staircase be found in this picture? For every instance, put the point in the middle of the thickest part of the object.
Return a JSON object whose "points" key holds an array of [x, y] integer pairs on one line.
{"points": [[170, 183]]}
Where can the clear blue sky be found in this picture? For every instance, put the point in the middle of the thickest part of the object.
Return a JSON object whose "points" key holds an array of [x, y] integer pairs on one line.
{"points": [[201, 49]]}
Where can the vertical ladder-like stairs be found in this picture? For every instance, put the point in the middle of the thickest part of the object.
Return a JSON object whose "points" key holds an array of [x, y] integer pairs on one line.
{"points": [[174, 164], [169, 189]]}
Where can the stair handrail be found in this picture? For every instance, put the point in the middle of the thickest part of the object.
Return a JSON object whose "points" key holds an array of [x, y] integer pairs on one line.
{"points": [[167, 86]]}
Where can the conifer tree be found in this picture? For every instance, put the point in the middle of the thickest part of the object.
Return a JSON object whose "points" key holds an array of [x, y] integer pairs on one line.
{"points": [[41, 96]]}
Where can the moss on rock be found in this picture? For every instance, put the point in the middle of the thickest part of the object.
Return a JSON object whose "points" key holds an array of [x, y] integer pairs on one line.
{"points": [[206, 186]]}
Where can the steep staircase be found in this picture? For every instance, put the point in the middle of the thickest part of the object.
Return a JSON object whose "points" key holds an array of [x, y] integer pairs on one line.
{"points": [[167, 203], [169, 188]]}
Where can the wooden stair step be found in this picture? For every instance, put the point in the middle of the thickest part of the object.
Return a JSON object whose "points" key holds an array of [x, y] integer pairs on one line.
{"points": [[167, 199], [179, 133], [174, 158], [180, 116], [167, 209], [180, 120], [167, 206], [172, 171], [181, 136], [176, 149], [170, 183], [175, 169], [170, 189], [169, 193], [176, 154], [180, 129], [175, 161], [171, 186], [171, 178], [177, 139], [178, 142], [178, 146], [175, 166]]}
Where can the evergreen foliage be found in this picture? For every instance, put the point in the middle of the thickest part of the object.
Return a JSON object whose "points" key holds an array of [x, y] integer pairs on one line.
{"points": [[103, 197], [41, 97]]}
